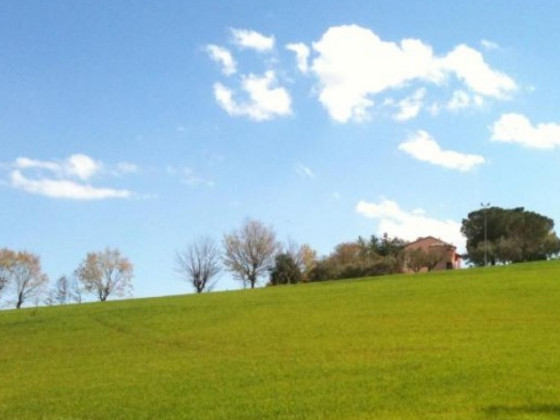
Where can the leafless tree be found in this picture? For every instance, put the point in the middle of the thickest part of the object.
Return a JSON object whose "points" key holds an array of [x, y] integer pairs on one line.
{"points": [[75, 292], [21, 270], [199, 263], [249, 252], [61, 290], [106, 273], [65, 290]]}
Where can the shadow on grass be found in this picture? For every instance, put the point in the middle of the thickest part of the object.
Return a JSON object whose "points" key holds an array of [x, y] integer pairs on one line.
{"points": [[504, 410]]}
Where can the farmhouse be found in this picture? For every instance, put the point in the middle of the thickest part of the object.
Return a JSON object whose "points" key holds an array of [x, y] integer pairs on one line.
{"points": [[448, 258]]}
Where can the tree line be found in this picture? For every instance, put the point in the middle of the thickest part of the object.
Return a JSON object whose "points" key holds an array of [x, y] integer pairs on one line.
{"points": [[252, 253], [101, 274], [494, 236]]}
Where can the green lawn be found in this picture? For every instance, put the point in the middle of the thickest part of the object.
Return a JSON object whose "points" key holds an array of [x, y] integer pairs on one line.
{"points": [[468, 344]]}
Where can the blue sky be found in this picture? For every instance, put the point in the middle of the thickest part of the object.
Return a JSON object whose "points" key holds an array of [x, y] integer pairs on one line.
{"points": [[145, 125]]}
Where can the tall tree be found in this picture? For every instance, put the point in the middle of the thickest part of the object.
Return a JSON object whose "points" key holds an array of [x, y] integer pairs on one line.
{"points": [[249, 252], [21, 270], [106, 273], [199, 263], [497, 235]]}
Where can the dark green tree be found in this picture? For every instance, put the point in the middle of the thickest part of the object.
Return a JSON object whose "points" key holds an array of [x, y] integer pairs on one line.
{"points": [[386, 246], [285, 270], [498, 235]]}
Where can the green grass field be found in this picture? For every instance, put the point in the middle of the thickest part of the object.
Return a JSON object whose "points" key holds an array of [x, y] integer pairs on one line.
{"points": [[468, 344]]}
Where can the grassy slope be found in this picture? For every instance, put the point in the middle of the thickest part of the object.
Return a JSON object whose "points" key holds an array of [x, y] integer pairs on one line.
{"points": [[482, 344]]}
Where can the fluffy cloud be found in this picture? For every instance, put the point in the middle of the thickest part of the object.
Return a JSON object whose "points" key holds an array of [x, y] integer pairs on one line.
{"points": [[353, 64], [410, 225], [223, 57], [423, 147], [265, 99], [516, 128], [65, 179], [302, 54], [252, 40], [468, 65], [82, 166]]}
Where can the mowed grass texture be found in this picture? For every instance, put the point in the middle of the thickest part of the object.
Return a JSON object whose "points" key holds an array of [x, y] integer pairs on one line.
{"points": [[469, 344]]}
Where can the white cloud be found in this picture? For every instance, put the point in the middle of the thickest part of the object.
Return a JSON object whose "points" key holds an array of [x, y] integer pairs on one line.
{"points": [[222, 56], [78, 165], [302, 54], [253, 40], [60, 188], [65, 179], [410, 106], [265, 100], [469, 66], [26, 163], [423, 147], [489, 45], [410, 225], [304, 171], [353, 64], [516, 128], [82, 166]]}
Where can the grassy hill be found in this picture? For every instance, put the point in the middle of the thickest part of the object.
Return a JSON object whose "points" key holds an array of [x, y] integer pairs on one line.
{"points": [[470, 344]]}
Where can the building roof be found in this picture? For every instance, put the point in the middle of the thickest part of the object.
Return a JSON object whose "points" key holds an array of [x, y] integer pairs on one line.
{"points": [[440, 242]]}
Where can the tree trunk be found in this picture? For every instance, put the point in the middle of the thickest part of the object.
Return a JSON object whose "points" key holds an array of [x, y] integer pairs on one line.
{"points": [[252, 280]]}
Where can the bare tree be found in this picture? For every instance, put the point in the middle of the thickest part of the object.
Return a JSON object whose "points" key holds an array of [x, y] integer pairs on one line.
{"points": [[249, 252], [64, 291], [106, 273], [21, 270], [61, 290], [75, 292], [199, 263]]}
